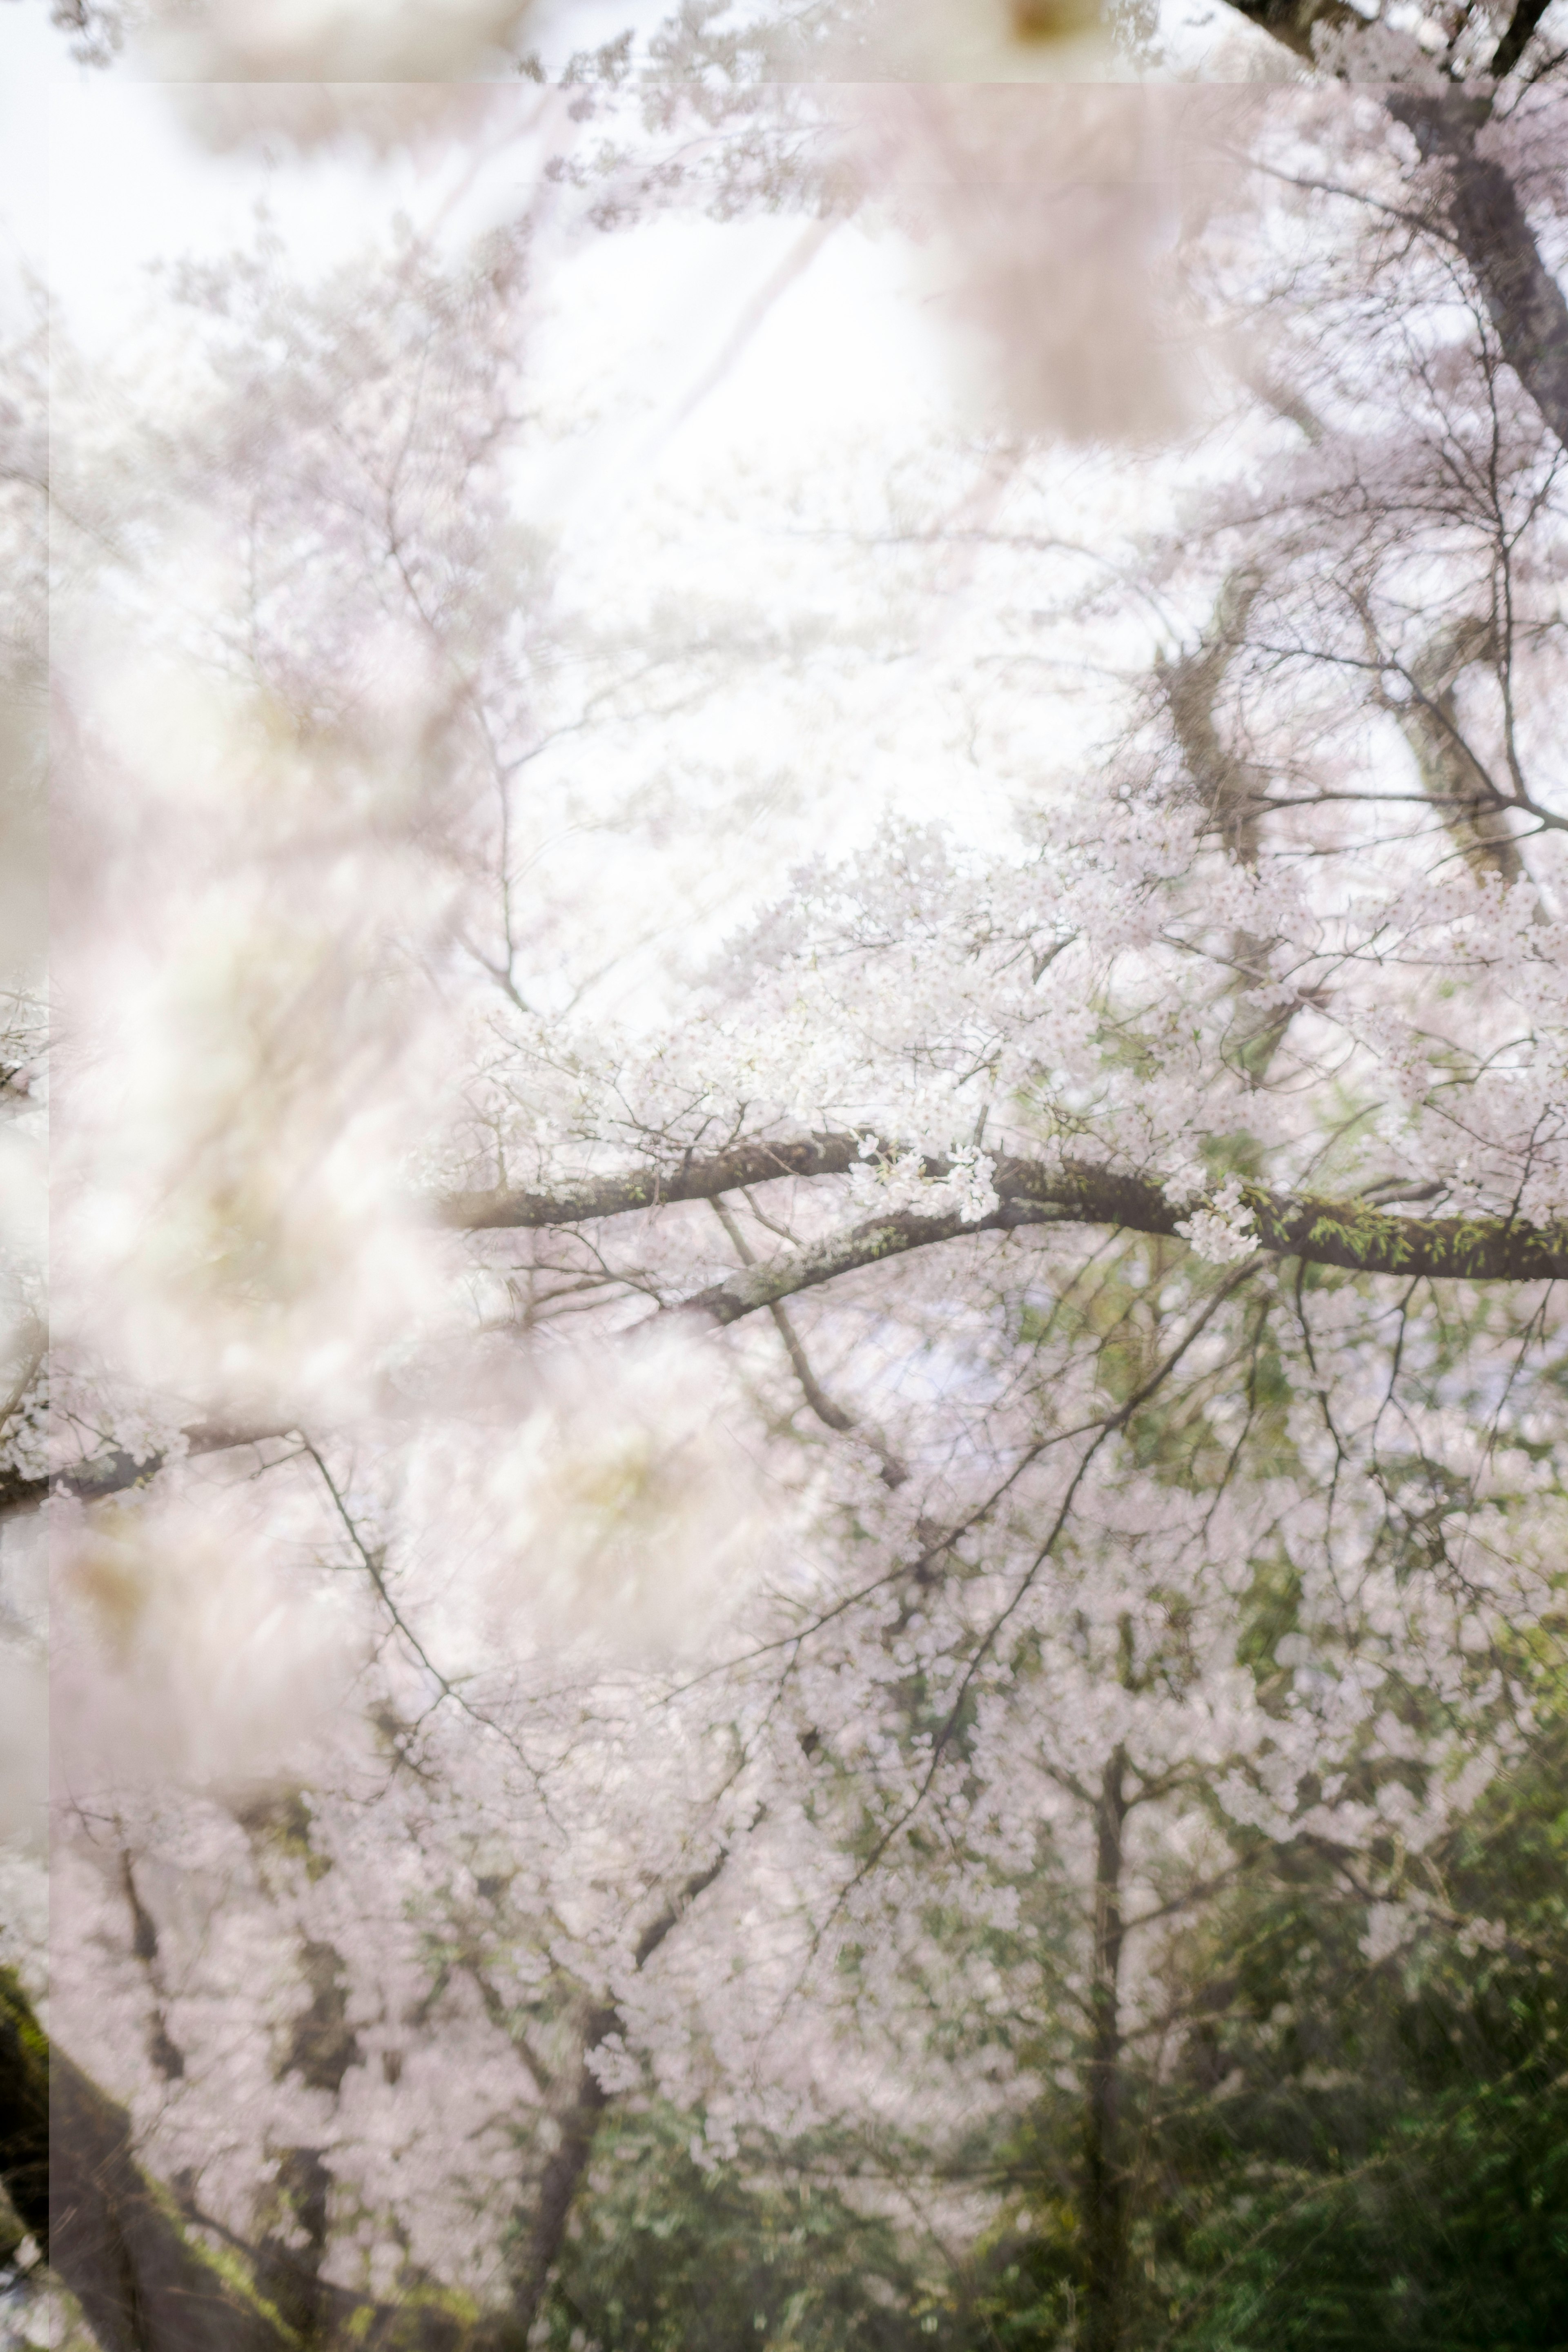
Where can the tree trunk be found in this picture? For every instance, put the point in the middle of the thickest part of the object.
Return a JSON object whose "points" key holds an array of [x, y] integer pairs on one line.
{"points": [[1451, 776], [1523, 299], [578, 2122], [108, 2233], [1105, 2186]]}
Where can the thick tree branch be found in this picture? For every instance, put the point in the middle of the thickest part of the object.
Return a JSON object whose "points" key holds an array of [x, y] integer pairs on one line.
{"points": [[688, 1178], [1353, 1234], [1349, 1233], [867, 1243]]}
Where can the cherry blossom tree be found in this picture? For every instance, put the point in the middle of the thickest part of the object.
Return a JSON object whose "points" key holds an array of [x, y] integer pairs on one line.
{"points": [[716, 1445]]}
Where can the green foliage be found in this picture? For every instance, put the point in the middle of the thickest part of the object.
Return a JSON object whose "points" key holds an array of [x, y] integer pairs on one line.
{"points": [[670, 2256], [1451, 2231], [1349, 2156], [1368, 2157], [24, 2108]]}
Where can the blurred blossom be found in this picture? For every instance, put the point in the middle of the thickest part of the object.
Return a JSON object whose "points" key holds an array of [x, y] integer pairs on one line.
{"points": [[329, 40], [246, 1063], [186, 1650], [372, 114], [24, 1747], [1052, 220], [24, 878], [616, 1508], [971, 41]]}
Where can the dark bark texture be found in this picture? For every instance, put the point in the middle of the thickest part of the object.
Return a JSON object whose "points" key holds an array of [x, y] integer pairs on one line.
{"points": [[1523, 299], [578, 2118], [1105, 2182], [1348, 1233]]}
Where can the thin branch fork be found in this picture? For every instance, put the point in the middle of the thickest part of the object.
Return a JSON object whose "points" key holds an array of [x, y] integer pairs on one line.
{"points": [[894, 1472]]}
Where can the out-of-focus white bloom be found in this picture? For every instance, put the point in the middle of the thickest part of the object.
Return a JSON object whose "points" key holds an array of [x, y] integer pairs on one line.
{"points": [[973, 41], [329, 40], [1053, 221], [1482, 1935], [187, 1650], [24, 1746], [245, 1071], [614, 1508], [24, 888], [381, 116], [1389, 1926]]}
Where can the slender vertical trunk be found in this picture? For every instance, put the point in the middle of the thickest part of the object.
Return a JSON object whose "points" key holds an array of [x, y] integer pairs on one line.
{"points": [[1231, 792], [1105, 2189], [1457, 783], [578, 2122]]}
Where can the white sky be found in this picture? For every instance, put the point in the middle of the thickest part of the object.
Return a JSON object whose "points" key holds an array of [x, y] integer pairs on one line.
{"points": [[98, 177], [679, 335], [711, 364]]}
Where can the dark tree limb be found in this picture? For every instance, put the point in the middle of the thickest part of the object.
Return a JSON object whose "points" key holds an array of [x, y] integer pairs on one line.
{"points": [[24, 2110], [687, 1179], [1486, 218], [1105, 2178], [115, 2238], [1294, 23], [1516, 40], [1353, 1234]]}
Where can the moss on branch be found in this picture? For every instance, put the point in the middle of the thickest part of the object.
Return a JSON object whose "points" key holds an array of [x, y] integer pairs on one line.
{"points": [[1348, 1233]]}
